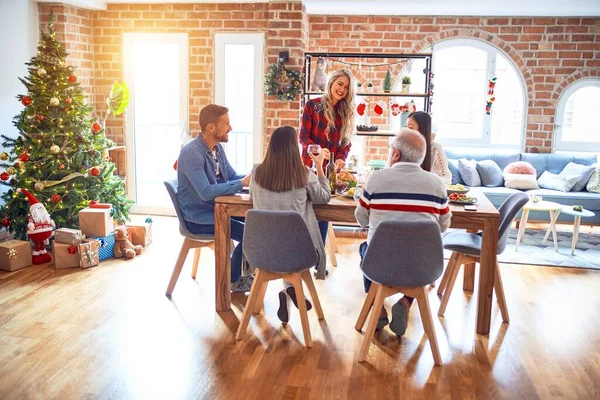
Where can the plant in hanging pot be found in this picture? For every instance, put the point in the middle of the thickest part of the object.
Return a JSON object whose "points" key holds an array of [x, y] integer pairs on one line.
{"points": [[406, 84]]}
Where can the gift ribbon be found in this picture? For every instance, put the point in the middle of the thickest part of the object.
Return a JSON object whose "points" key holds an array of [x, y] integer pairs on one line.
{"points": [[63, 180], [12, 254], [89, 255]]}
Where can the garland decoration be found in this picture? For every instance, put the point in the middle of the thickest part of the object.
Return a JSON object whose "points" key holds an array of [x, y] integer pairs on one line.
{"points": [[284, 83]]}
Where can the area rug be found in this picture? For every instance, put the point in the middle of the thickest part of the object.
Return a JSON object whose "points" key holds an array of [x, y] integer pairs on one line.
{"points": [[532, 251]]}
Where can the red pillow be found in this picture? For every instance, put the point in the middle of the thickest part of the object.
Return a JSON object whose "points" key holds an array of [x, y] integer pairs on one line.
{"points": [[520, 168]]}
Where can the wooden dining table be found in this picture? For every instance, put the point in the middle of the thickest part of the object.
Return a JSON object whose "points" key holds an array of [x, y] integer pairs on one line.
{"points": [[341, 209]]}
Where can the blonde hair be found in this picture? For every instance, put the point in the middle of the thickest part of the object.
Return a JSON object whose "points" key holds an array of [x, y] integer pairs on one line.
{"points": [[345, 109]]}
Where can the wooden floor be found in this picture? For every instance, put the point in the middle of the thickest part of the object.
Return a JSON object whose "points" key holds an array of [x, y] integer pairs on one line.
{"points": [[109, 332]]}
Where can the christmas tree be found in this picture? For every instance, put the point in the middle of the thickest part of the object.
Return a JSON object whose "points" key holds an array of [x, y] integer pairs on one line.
{"points": [[387, 82], [60, 153]]}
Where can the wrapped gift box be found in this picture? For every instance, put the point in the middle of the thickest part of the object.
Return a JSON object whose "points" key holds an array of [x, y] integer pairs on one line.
{"points": [[14, 255], [107, 246], [142, 233], [62, 257], [95, 222], [67, 235], [88, 253]]}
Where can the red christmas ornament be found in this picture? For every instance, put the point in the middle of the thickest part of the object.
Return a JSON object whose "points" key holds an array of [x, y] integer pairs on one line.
{"points": [[95, 171], [72, 78], [55, 198], [6, 222], [24, 157], [96, 127], [26, 101], [4, 176], [72, 249], [66, 109], [41, 117], [68, 100], [61, 166], [379, 107], [360, 109]]}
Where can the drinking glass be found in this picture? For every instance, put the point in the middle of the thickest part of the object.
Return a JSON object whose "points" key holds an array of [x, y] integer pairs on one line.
{"points": [[315, 149], [358, 193]]}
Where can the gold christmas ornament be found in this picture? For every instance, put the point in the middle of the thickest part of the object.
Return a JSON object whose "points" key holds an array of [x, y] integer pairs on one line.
{"points": [[54, 149], [54, 101], [4, 156], [39, 186], [11, 170]]}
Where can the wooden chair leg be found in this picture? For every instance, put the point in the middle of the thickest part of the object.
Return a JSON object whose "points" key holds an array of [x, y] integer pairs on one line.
{"points": [[447, 273], [196, 261], [296, 281], [310, 284], [499, 288], [449, 286], [250, 303], [185, 247], [368, 336], [331, 235], [261, 299], [330, 248], [364, 312], [425, 310]]}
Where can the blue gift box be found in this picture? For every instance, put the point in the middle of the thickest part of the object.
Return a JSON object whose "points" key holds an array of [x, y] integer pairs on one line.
{"points": [[107, 246]]}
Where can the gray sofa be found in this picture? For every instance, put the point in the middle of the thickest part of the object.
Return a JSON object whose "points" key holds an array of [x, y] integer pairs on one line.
{"points": [[554, 163]]}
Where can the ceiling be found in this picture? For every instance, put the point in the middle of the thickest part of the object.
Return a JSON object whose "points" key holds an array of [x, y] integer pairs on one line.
{"points": [[580, 8]]}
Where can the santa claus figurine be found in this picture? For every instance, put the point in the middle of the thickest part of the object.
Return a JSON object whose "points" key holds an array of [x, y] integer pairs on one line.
{"points": [[39, 228]]}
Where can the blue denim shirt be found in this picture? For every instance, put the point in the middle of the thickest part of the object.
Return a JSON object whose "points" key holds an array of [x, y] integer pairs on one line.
{"points": [[198, 183]]}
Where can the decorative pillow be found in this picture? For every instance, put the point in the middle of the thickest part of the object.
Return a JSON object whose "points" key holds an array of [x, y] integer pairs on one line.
{"points": [[468, 171], [453, 166], [520, 181], [583, 172], [490, 173], [520, 167], [560, 182], [593, 184]]}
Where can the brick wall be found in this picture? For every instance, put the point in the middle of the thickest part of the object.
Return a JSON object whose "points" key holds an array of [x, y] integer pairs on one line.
{"points": [[550, 53], [74, 28]]}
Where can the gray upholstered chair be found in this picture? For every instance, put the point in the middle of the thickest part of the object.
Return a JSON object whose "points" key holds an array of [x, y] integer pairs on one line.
{"points": [[403, 257], [278, 245], [190, 241], [466, 248]]}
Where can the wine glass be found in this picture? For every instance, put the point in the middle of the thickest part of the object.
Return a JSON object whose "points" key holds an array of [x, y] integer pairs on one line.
{"points": [[315, 149], [357, 193]]}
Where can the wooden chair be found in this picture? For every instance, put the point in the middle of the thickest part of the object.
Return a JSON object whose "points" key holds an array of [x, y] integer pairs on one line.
{"points": [[331, 245], [402, 257], [466, 248], [190, 241], [278, 245]]}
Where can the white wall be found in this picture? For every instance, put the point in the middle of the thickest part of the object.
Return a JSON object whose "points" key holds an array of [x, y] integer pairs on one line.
{"points": [[18, 41]]}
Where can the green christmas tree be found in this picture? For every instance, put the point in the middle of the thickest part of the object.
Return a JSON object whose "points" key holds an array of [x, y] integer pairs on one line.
{"points": [[60, 154], [387, 82]]}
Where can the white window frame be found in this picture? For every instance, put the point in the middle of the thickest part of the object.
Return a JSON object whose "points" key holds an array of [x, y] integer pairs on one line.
{"points": [[558, 144], [258, 40], [485, 140]]}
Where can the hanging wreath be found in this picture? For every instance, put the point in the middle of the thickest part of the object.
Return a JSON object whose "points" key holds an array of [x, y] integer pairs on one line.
{"points": [[284, 83]]}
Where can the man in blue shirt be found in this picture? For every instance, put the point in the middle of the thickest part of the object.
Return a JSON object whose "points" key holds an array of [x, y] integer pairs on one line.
{"points": [[203, 173]]}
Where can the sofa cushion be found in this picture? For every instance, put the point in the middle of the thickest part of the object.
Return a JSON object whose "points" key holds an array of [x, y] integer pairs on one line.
{"points": [[520, 168], [468, 172], [555, 163], [453, 166], [520, 181], [562, 183], [502, 158], [583, 172], [593, 184], [490, 173]]}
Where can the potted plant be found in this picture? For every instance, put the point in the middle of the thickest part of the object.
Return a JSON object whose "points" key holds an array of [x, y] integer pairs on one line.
{"points": [[406, 84], [387, 82], [370, 87]]}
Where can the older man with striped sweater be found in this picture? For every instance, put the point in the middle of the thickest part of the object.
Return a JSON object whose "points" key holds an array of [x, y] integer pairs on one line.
{"points": [[403, 191]]}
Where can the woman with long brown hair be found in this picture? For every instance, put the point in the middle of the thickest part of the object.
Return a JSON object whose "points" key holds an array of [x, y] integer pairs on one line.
{"points": [[282, 182]]}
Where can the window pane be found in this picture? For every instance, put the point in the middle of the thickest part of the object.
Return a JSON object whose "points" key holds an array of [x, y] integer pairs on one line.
{"points": [[507, 110], [459, 96], [581, 119]]}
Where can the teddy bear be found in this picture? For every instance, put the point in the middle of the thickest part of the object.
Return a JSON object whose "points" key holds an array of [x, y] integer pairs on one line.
{"points": [[123, 247]]}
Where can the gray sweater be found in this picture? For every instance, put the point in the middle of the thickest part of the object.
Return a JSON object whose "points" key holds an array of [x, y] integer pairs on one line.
{"points": [[301, 200]]}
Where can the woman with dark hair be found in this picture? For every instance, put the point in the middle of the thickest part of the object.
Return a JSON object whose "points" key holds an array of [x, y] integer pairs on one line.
{"points": [[282, 182], [421, 121]]}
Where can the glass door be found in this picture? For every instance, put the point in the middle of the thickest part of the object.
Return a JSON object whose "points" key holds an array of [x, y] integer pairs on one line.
{"points": [[156, 69]]}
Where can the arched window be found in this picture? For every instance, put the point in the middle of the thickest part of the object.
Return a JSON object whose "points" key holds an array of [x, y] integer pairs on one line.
{"points": [[462, 70], [578, 119]]}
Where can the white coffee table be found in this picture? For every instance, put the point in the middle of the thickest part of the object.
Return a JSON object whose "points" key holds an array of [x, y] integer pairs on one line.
{"points": [[577, 220], [551, 207]]}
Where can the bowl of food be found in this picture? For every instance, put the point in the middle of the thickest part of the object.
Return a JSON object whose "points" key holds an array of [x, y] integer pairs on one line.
{"points": [[461, 198], [458, 188], [345, 176], [340, 186]]}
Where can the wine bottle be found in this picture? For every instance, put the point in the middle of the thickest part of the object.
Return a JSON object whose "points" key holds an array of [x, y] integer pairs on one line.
{"points": [[331, 175]]}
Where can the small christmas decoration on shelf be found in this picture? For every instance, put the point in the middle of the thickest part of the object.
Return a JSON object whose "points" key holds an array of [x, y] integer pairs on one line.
{"points": [[284, 83], [406, 81], [367, 128], [387, 82], [320, 79]]}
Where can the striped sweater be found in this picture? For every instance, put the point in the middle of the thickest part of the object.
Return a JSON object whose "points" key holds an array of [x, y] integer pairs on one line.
{"points": [[406, 192]]}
